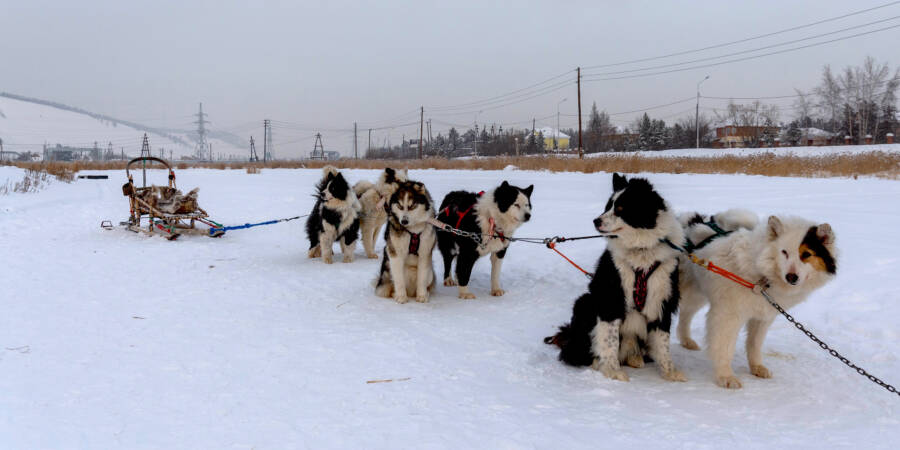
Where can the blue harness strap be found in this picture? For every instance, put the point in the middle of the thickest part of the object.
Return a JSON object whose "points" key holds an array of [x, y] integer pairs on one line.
{"points": [[220, 230]]}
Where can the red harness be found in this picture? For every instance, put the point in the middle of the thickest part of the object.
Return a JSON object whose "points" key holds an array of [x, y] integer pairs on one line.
{"points": [[639, 294], [460, 214], [414, 243]]}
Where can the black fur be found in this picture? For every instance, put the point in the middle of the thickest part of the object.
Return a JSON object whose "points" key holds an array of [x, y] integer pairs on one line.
{"points": [[464, 249], [605, 299], [639, 205], [814, 242]]}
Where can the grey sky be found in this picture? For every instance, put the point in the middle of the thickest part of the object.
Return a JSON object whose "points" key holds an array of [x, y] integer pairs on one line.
{"points": [[328, 64]]}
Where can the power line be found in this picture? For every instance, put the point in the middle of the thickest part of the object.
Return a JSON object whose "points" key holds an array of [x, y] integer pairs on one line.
{"points": [[499, 97], [747, 51], [752, 38], [745, 58]]}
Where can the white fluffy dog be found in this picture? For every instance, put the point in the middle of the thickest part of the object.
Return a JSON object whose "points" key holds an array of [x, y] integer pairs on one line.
{"points": [[791, 255], [372, 197]]}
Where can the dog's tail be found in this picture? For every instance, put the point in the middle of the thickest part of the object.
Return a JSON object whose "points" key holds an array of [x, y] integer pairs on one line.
{"points": [[574, 347], [362, 186], [736, 218]]}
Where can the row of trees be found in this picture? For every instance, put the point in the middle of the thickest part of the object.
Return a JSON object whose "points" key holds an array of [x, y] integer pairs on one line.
{"points": [[855, 102]]}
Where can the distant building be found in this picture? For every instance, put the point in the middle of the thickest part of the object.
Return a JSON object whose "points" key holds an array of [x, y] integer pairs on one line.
{"points": [[735, 136], [329, 155], [553, 138]]}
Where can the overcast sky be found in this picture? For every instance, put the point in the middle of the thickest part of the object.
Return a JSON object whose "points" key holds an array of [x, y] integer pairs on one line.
{"points": [[324, 65]]}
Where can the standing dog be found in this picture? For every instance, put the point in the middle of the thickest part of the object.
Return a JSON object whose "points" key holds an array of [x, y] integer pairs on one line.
{"points": [[335, 216], [627, 311], [494, 216], [406, 268], [792, 256], [372, 197]]}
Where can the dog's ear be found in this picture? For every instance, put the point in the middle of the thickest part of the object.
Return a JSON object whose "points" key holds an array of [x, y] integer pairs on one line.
{"points": [[504, 185], [775, 227], [619, 182], [825, 234], [389, 175], [527, 191], [402, 175]]}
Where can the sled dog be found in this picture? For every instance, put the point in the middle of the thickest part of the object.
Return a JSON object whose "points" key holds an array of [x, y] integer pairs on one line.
{"points": [[627, 312], [409, 238], [495, 216], [334, 217], [793, 256]]}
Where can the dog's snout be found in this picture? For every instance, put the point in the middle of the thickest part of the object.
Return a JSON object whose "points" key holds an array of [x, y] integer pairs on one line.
{"points": [[791, 278], [527, 217], [598, 222], [404, 221]]}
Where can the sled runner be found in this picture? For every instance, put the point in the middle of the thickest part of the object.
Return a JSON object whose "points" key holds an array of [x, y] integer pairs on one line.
{"points": [[163, 210]]}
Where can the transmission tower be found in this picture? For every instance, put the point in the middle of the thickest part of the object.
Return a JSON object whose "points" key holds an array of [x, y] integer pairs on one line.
{"points": [[253, 156], [318, 149], [202, 145], [145, 153]]}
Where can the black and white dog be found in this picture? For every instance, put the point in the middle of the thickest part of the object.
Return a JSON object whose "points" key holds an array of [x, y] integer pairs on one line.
{"points": [[627, 311], [335, 216], [494, 215]]}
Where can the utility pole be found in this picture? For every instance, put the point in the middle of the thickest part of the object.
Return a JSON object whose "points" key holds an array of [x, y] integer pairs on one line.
{"points": [[355, 151], [421, 128], [580, 144], [266, 140], [475, 141], [697, 113], [369, 148], [201, 132]]}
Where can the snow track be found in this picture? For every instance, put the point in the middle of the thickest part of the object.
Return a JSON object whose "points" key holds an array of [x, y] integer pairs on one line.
{"points": [[110, 339]]}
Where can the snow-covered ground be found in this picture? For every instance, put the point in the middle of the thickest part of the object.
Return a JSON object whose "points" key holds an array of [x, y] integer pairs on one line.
{"points": [[797, 151], [110, 339], [26, 127]]}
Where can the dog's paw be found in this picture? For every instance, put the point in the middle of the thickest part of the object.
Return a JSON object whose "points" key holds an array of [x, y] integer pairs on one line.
{"points": [[497, 292], [466, 295], [615, 374], [729, 382], [673, 375], [422, 298], [314, 252], [348, 258], [690, 344], [636, 361], [327, 259], [449, 281], [401, 299], [372, 255], [760, 371]]}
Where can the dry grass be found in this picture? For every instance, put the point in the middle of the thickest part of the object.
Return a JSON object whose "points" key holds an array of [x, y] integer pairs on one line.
{"points": [[34, 181], [879, 164]]}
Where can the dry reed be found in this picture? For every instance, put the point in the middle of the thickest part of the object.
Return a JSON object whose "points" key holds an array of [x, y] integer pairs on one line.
{"points": [[878, 164]]}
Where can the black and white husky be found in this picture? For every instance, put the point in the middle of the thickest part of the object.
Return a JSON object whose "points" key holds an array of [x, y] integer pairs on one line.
{"points": [[495, 216], [334, 217], [372, 197], [627, 311], [406, 267], [793, 256]]}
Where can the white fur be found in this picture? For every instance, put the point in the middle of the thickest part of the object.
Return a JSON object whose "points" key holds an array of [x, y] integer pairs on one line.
{"points": [[605, 344], [754, 255], [372, 216]]}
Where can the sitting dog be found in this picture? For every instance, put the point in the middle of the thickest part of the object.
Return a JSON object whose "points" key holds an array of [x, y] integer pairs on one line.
{"points": [[335, 216], [406, 268], [372, 197], [792, 256], [627, 311], [494, 216]]}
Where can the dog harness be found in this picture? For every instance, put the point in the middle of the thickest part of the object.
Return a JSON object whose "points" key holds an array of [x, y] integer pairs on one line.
{"points": [[413, 243], [460, 214], [639, 294], [493, 228]]}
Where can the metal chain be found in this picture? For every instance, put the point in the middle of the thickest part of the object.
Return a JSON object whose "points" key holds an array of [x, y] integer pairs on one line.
{"points": [[825, 346]]}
